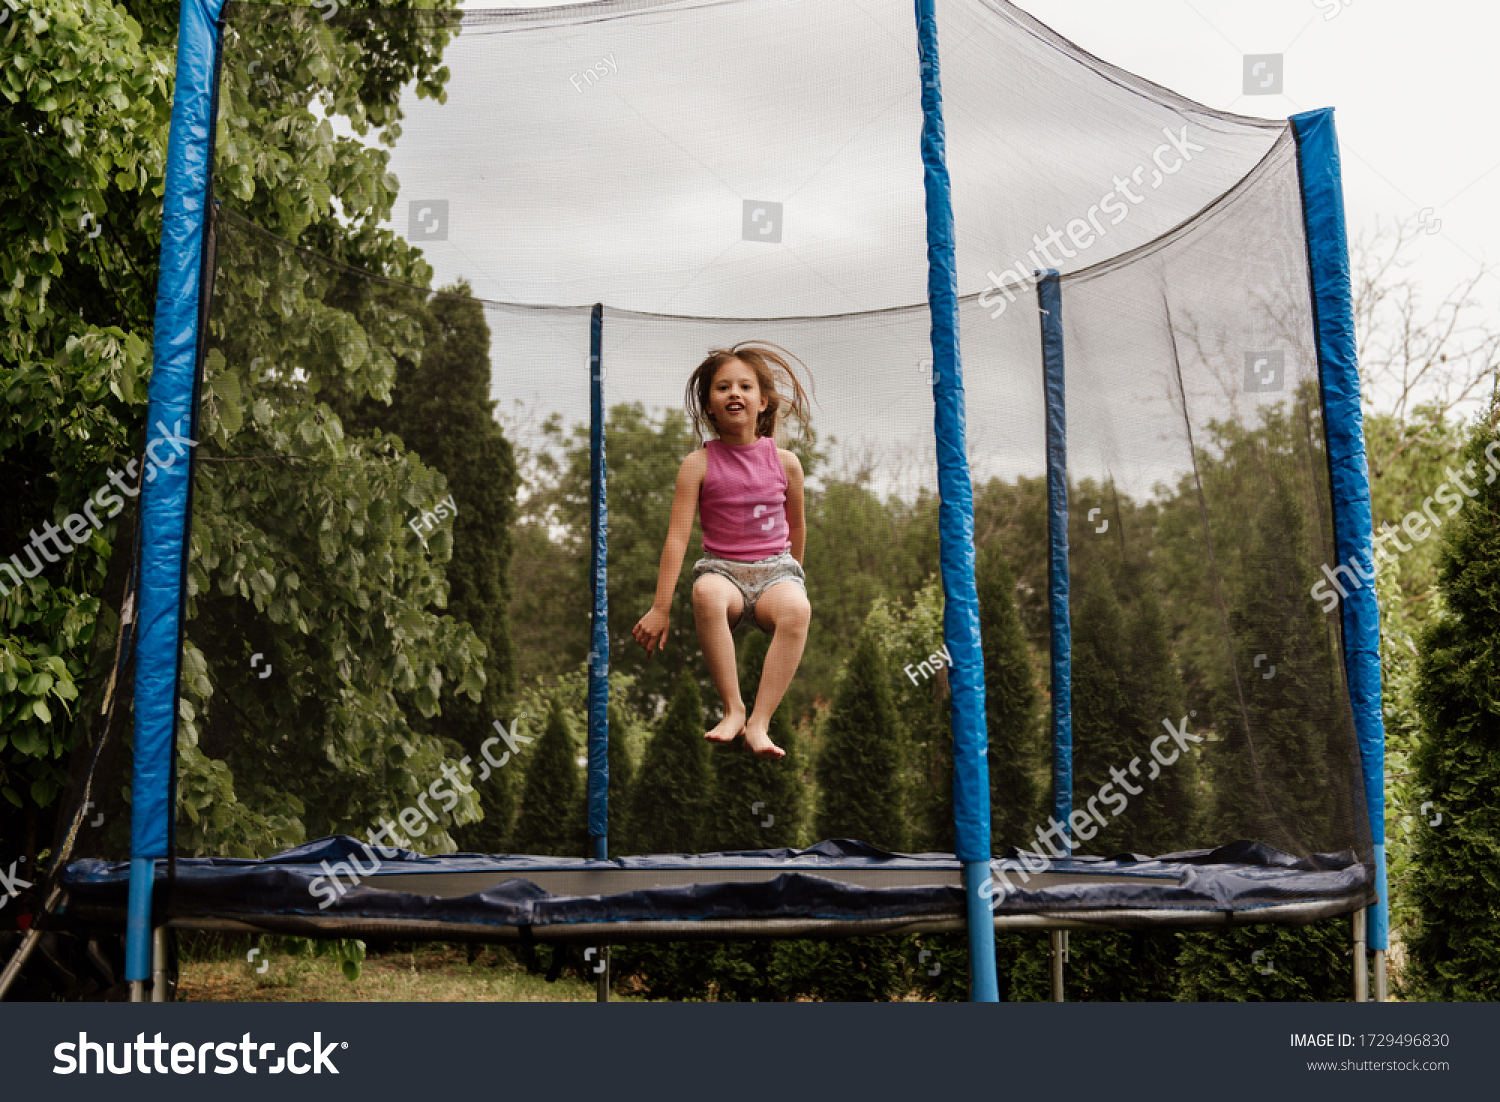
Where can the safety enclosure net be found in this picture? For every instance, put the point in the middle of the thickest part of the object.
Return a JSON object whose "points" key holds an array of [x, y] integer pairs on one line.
{"points": [[441, 417]]}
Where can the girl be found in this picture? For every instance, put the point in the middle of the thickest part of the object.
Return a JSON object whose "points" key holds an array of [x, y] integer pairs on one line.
{"points": [[749, 494]]}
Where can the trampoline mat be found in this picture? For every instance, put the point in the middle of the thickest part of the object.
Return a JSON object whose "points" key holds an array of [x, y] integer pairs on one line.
{"points": [[836, 888]]}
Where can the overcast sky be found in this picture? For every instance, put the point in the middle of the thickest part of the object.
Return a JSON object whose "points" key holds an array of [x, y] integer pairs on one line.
{"points": [[1413, 85]]}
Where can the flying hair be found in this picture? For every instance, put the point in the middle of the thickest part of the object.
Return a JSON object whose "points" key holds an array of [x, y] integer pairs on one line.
{"points": [[778, 382]]}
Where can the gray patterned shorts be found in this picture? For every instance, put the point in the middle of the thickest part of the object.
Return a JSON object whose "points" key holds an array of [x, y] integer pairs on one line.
{"points": [[752, 579]]}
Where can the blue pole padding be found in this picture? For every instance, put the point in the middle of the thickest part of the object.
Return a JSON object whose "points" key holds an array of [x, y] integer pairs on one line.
{"points": [[138, 919], [1353, 528], [164, 491], [984, 985], [971, 782], [598, 780], [1049, 302]]}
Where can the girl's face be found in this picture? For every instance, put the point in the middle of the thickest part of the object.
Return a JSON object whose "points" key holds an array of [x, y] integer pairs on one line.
{"points": [[735, 400]]}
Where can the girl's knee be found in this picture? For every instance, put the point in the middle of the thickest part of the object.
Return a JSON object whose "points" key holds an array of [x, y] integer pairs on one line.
{"points": [[794, 611], [710, 592]]}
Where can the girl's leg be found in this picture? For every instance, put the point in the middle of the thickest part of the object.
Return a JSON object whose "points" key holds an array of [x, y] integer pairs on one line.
{"points": [[717, 604], [784, 611]]}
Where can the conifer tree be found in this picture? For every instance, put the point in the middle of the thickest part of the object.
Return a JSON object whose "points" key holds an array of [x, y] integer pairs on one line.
{"points": [[1102, 717], [674, 785], [1456, 947], [551, 819], [1010, 707], [757, 804], [621, 779], [1162, 818], [859, 768]]}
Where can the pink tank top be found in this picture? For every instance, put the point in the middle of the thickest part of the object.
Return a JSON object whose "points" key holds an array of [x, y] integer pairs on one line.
{"points": [[742, 505]]}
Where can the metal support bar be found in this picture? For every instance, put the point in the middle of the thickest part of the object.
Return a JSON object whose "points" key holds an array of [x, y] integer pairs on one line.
{"points": [[1381, 994], [159, 965], [1059, 940], [1361, 970]]}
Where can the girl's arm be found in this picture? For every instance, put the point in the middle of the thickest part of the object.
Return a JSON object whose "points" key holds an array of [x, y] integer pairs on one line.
{"points": [[651, 630], [796, 520]]}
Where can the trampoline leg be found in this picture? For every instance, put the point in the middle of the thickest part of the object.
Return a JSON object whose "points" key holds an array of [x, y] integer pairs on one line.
{"points": [[984, 985], [138, 927], [601, 993], [1059, 958], [1361, 972], [1380, 991], [159, 965]]}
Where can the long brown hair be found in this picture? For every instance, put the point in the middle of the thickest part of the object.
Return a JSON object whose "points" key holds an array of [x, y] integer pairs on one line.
{"points": [[784, 392]]}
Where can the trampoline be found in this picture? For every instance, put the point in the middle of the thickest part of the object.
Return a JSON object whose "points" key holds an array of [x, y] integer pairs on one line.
{"points": [[835, 889], [1155, 418]]}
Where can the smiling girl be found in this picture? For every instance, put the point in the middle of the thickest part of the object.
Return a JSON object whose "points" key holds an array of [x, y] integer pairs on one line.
{"points": [[748, 494]]}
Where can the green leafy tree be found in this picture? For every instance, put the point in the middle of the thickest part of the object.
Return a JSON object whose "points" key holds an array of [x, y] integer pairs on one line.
{"points": [[675, 784], [84, 134], [441, 410], [860, 765], [83, 138], [1455, 950], [551, 820]]}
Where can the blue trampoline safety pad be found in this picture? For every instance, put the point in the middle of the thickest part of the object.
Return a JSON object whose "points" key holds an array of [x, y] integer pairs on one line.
{"points": [[337, 886]]}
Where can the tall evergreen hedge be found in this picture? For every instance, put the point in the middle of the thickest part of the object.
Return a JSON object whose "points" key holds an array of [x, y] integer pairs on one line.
{"points": [[1455, 951], [1015, 754], [859, 768], [551, 819], [675, 782]]}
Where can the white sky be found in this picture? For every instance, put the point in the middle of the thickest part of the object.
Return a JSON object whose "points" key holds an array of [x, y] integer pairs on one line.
{"points": [[1412, 85]]}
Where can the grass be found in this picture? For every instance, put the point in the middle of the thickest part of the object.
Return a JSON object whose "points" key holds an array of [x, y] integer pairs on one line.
{"points": [[418, 973]]}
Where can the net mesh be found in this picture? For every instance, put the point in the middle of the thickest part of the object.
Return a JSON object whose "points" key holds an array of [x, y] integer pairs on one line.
{"points": [[389, 583]]}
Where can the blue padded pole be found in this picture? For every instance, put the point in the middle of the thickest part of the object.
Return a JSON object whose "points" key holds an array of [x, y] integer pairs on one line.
{"points": [[164, 492], [1049, 301], [1353, 529], [971, 781], [598, 578]]}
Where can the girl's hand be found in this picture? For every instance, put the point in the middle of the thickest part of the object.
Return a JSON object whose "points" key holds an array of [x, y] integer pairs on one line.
{"points": [[651, 631]]}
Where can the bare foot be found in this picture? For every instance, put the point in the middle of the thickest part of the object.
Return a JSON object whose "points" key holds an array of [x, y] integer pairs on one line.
{"points": [[759, 742], [729, 727]]}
